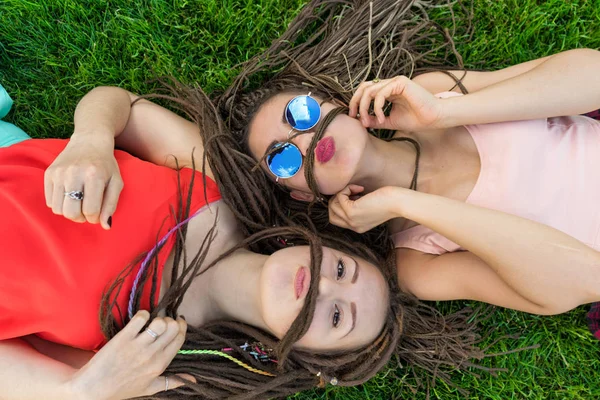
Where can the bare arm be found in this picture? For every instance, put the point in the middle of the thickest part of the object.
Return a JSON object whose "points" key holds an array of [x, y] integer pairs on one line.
{"points": [[567, 83], [551, 271], [512, 261], [146, 130], [27, 374], [563, 84], [104, 118], [458, 276], [128, 366], [437, 82]]}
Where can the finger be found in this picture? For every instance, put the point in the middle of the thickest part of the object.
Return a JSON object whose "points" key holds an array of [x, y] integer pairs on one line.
{"points": [[48, 187], [158, 326], [355, 100], [337, 214], [355, 189], [378, 104], [173, 328], [337, 221], [345, 192], [346, 204], [367, 98], [92, 201], [392, 91], [58, 198], [135, 325], [111, 198], [71, 208], [172, 348], [160, 383]]}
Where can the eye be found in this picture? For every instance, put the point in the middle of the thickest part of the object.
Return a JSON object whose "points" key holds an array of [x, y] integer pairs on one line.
{"points": [[341, 269], [336, 316]]}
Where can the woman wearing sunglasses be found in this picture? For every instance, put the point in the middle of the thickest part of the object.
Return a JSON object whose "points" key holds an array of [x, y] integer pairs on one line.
{"points": [[154, 235], [505, 193]]}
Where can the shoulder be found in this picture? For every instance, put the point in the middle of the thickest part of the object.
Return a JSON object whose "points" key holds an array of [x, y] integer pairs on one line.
{"points": [[227, 231]]}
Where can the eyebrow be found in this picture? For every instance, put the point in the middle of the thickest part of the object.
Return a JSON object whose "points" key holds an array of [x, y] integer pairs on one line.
{"points": [[353, 312], [355, 276]]}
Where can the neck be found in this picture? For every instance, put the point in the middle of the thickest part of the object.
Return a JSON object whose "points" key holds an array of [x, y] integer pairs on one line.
{"points": [[390, 164], [227, 291]]}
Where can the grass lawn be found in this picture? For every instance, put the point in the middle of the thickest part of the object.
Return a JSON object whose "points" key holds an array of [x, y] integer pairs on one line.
{"points": [[52, 52]]}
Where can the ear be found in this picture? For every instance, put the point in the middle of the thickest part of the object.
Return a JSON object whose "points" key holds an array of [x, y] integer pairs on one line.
{"points": [[301, 196]]}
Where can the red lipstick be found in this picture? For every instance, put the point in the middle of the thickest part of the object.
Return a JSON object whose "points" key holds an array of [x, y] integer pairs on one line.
{"points": [[325, 149]]}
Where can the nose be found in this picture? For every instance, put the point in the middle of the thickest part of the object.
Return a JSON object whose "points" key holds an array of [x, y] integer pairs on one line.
{"points": [[302, 141], [327, 287]]}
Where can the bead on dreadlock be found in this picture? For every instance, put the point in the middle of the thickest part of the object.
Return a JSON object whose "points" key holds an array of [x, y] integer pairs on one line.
{"points": [[333, 381]]}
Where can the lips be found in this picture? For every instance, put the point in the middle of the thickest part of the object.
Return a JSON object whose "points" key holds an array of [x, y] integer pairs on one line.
{"points": [[325, 149], [301, 282]]}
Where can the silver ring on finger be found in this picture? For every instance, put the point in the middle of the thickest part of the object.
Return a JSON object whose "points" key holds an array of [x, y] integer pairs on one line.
{"points": [[75, 195], [151, 333], [166, 383]]}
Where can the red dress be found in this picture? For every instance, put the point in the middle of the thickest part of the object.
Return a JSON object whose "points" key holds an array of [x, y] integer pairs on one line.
{"points": [[53, 271]]}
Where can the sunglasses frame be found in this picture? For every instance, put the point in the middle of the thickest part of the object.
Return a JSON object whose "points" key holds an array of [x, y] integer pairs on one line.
{"points": [[286, 114], [285, 144]]}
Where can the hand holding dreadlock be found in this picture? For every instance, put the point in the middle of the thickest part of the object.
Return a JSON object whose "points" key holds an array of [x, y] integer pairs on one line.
{"points": [[413, 107], [131, 363], [362, 214]]}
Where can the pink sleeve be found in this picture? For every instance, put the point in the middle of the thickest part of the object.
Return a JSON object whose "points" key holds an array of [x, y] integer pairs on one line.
{"points": [[425, 240]]}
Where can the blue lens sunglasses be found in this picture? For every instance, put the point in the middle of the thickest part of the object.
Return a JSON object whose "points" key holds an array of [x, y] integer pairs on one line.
{"points": [[285, 159]]}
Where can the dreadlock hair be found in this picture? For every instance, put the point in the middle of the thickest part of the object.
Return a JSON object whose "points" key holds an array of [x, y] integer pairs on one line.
{"points": [[414, 331], [319, 52], [328, 49]]}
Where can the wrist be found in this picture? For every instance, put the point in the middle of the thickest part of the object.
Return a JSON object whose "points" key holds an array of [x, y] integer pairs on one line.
{"points": [[414, 205], [100, 137], [399, 199], [72, 390], [451, 112]]}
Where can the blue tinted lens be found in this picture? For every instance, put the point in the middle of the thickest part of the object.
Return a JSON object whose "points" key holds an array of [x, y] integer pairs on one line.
{"points": [[285, 160], [303, 113]]}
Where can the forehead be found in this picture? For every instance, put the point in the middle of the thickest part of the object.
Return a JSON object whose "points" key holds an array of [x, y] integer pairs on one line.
{"points": [[374, 303], [269, 125], [372, 306]]}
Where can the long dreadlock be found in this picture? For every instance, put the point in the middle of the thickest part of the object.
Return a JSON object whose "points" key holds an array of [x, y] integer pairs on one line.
{"points": [[328, 49]]}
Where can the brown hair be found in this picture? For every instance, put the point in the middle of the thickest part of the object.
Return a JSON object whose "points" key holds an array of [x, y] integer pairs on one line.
{"points": [[328, 49], [416, 332], [328, 39]]}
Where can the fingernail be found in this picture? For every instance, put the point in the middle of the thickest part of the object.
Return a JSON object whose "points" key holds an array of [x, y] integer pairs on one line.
{"points": [[109, 221]]}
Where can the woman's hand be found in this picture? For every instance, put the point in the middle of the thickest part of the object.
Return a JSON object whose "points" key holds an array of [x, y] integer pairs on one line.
{"points": [[131, 364], [87, 164], [413, 107], [361, 214]]}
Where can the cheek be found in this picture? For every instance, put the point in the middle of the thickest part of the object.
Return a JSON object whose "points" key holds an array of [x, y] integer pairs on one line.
{"points": [[316, 337], [278, 313], [279, 306]]}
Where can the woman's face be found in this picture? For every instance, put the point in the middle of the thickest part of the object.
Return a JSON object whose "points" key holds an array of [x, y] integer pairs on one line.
{"points": [[352, 302], [333, 171]]}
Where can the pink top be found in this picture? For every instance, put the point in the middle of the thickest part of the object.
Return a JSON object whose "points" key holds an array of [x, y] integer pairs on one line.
{"points": [[546, 170]]}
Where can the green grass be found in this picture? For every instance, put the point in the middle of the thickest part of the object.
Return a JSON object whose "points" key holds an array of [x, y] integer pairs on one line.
{"points": [[53, 52]]}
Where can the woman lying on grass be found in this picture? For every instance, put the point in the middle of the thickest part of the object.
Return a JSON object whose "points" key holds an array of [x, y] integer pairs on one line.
{"points": [[510, 184], [257, 325]]}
